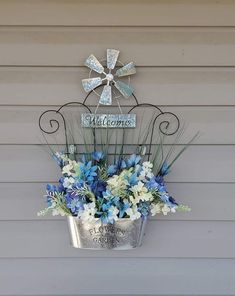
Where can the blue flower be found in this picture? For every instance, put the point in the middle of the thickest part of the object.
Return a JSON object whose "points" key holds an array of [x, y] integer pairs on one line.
{"points": [[162, 189], [103, 217], [160, 180], [51, 188], [108, 196], [88, 172], [109, 200], [172, 201], [152, 184], [133, 160], [164, 169], [120, 164], [78, 184], [58, 158], [108, 213], [49, 200], [157, 183], [75, 205], [132, 180], [144, 208], [123, 206], [98, 155], [112, 169], [98, 187], [84, 159], [74, 201], [60, 187], [138, 169], [168, 200]]}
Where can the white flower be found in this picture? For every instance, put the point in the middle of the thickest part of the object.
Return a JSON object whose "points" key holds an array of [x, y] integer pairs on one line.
{"points": [[165, 210], [139, 188], [113, 181], [69, 169], [113, 212], [148, 165], [61, 156], [173, 210], [58, 211], [88, 214], [133, 200], [133, 213], [146, 196], [117, 183], [146, 171], [142, 175], [140, 192], [155, 209], [68, 182]]}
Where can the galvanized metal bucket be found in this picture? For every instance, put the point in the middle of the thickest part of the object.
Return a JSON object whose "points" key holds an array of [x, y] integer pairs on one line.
{"points": [[124, 234]]}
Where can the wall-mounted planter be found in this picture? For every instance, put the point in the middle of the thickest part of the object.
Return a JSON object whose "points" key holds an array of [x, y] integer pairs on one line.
{"points": [[124, 234], [113, 163]]}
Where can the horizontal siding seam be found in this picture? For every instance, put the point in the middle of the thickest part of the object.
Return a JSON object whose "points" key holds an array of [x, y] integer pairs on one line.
{"points": [[6, 26], [159, 105], [46, 145], [123, 258], [149, 221], [170, 182]]}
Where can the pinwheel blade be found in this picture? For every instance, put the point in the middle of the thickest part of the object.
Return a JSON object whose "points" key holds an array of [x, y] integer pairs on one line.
{"points": [[125, 89], [91, 83], [112, 56], [92, 63], [106, 96], [126, 70]]}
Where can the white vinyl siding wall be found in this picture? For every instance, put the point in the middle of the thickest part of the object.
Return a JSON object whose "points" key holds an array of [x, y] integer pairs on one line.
{"points": [[185, 57]]}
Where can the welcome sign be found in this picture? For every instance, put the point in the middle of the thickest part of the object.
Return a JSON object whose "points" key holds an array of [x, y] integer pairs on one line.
{"points": [[108, 120]]}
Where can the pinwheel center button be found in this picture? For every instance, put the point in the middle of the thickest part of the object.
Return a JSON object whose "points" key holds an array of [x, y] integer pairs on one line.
{"points": [[109, 77]]}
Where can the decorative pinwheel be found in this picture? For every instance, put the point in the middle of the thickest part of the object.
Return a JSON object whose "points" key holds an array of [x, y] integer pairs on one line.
{"points": [[125, 71]]}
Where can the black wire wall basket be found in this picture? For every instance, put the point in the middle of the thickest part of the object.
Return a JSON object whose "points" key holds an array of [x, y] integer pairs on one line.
{"points": [[137, 128]]}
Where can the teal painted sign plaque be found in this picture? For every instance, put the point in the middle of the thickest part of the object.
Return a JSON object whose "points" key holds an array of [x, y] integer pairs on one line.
{"points": [[108, 120]]}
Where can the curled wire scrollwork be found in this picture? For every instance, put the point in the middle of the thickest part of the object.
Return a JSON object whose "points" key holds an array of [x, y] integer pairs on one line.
{"points": [[167, 127], [164, 125], [167, 123], [54, 124]]}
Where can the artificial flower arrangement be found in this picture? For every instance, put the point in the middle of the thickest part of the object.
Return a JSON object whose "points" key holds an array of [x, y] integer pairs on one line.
{"points": [[111, 201], [92, 189], [108, 197]]}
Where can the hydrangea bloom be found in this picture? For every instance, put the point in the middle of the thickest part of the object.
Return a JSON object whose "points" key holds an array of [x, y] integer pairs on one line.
{"points": [[93, 189]]}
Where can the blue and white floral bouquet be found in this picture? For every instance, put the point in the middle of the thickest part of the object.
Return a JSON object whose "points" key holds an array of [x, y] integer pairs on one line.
{"points": [[91, 189]]}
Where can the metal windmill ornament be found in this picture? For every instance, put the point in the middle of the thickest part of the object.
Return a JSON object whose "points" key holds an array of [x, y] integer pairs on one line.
{"points": [[110, 76]]}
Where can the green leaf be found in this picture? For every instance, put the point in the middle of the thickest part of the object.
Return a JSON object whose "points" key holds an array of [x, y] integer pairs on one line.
{"points": [[183, 208]]}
